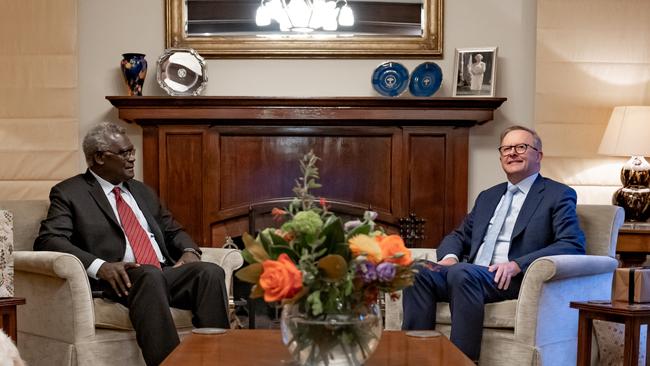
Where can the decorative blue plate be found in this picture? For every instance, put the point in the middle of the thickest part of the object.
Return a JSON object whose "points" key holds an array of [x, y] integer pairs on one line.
{"points": [[390, 79], [425, 79]]}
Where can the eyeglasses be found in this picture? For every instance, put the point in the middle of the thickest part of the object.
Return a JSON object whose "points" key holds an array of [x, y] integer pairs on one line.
{"points": [[519, 149], [125, 155]]}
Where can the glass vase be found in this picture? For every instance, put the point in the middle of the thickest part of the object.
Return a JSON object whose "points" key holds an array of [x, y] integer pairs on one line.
{"points": [[333, 339]]}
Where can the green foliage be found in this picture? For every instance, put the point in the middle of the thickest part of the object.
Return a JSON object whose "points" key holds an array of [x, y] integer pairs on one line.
{"points": [[317, 242]]}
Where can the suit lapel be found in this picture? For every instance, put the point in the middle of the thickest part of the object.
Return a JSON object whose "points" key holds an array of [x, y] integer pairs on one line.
{"points": [[99, 196], [533, 198]]}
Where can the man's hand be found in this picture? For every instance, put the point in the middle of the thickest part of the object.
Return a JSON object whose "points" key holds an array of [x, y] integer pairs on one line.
{"points": [[115, 274], [505, 272], [448, 262], [187, 257]]}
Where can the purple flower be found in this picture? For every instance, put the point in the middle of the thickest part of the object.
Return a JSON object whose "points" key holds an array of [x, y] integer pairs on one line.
{"points": [[368, 271], [386, 271], [353, 224]]}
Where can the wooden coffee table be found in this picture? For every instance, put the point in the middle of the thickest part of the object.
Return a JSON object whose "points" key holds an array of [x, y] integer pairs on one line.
{"points": [[264, 347]]}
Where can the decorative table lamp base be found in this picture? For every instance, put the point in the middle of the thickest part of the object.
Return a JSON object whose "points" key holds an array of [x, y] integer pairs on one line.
{"points": [[634, 196]]}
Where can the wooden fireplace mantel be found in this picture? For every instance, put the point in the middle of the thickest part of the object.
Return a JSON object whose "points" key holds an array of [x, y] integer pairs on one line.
{"points": [[437, 111], [210, 158]]}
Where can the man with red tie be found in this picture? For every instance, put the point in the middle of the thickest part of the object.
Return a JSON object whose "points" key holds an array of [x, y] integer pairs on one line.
{"points": [[133, 250]]}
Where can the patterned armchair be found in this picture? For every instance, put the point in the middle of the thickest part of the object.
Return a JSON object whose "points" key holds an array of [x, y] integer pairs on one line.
{"points": [[61, 324], [539, 328]]}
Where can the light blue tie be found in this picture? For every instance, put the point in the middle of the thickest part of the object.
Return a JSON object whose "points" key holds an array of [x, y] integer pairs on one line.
{"points": [[493, 232]]}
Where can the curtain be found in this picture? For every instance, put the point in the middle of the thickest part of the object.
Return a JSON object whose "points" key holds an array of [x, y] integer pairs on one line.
{"points": [[39, 127], [592, 55]]}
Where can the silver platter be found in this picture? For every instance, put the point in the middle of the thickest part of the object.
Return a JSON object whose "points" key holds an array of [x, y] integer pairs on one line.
{"points": [[182, 71]]}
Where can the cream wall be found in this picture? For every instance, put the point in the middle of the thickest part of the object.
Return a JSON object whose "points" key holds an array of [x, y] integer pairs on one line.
{"points": [[109, 28]]}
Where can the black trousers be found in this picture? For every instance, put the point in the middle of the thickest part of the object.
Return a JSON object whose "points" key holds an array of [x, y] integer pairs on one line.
{"points": [[197, 286], [467, 287]]}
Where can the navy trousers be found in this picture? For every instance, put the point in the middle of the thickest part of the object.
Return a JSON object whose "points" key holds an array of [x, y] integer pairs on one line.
{"points": [[467, 287]]}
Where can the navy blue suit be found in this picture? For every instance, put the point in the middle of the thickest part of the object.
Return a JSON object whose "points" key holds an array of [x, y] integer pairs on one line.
{"points": [[547, 225]]}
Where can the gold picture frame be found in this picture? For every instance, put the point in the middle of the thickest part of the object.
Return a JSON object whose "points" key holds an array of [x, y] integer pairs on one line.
{"points": [[429, 44]]}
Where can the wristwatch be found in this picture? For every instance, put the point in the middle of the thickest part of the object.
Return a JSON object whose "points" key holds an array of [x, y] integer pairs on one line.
{"points": [[193, 251]]}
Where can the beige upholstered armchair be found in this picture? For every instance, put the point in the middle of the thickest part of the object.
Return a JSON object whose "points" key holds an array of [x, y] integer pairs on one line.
{"points": [[539, 328], [61, 324]]}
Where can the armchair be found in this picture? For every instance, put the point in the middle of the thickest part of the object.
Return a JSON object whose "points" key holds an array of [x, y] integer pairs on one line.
{"points": [[539, 328], [61, 324]]}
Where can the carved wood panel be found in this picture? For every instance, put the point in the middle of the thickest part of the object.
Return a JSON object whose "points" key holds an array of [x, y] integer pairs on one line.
{"points": [[437, 186], [181, 170], [358, 164]]}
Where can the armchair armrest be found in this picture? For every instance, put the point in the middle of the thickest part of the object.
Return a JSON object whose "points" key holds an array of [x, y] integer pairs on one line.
{"points": [[393, 313], [549, 284], [59, 302], [228, 259]]}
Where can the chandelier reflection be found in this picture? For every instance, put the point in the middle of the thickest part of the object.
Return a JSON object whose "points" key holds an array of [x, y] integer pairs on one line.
{"points": [[305, 15]]}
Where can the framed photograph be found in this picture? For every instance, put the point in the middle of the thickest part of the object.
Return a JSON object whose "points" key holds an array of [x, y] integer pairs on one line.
{"points": [[475, 70]]}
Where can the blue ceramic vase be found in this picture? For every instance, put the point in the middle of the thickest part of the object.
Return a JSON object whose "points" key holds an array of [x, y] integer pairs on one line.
{"points": [[134, 70]]}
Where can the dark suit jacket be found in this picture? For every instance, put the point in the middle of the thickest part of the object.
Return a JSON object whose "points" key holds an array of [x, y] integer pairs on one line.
{"points": [[547, 224], [80, 221]]}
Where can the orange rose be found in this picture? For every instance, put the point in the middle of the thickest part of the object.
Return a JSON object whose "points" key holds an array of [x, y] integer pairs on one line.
{"points": [[391, 248], [280, 279]]}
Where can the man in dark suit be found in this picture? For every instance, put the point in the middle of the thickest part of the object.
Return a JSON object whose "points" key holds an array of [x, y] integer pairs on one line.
{"points": [[133, 249], [484, 259]]}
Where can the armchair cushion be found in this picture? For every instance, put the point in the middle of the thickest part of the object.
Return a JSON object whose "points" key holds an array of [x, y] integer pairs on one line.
{"points": [[497, 315], [113, 315]]}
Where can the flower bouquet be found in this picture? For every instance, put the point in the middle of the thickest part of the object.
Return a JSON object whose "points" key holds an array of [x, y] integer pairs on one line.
{"points": [[327, 274]]}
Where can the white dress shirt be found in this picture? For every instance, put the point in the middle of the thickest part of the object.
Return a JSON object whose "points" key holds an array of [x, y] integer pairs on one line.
{"points": [[502, 246], [107, 187]]}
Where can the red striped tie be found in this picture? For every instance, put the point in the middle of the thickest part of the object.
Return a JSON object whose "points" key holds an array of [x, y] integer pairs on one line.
{"points": [[138, 238]]}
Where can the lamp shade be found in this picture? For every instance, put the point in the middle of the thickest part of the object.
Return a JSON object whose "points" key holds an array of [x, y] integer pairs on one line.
{"points": [[627, 133]]}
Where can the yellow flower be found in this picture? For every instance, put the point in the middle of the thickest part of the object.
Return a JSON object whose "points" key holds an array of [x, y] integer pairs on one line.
{"points": [[365, 245], [394, 250]]}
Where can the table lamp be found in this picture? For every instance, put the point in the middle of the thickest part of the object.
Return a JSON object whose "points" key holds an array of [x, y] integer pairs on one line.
{"points": [[628, 134]]}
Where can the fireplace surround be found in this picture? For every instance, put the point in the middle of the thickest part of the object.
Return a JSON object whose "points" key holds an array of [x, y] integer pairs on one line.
{"points": [[211, 158]]}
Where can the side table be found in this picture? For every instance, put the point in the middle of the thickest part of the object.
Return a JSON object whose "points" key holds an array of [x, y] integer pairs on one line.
{"points": [[633, 246], [632, 315], [8, 316]]}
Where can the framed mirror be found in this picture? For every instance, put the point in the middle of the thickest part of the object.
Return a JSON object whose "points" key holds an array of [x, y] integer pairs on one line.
{"points": [[272, 29]]}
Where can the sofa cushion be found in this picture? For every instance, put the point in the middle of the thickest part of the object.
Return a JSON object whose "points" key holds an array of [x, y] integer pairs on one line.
{"points": [[27, 220], [6, 254], [610, 337], [113, 315], [497, 315]]}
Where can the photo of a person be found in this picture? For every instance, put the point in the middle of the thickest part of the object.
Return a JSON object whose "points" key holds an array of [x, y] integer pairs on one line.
{"points": [[475, 71]]}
